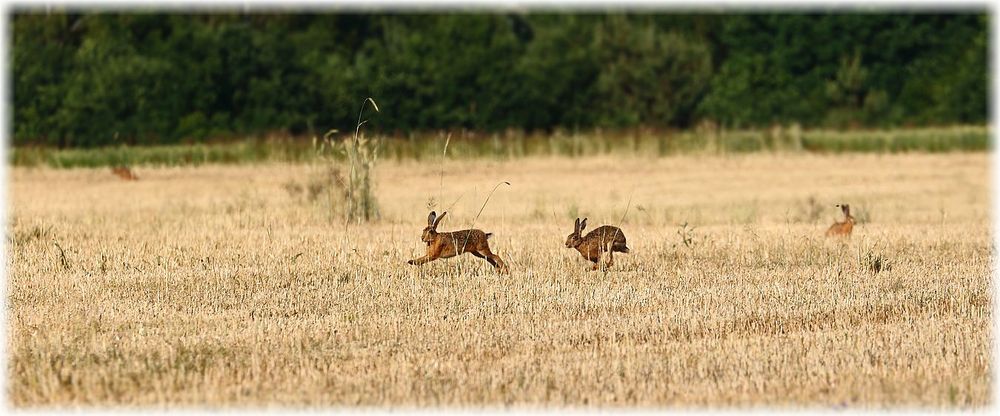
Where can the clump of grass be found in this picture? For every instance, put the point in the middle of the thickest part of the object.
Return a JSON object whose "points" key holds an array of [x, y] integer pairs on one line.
{"points": [[687, 234], [862, 214], [325, 185], [36, 232], [293, 188], [352, 197], [362, 155], [810, 211], [877, 262], [874, 261]]}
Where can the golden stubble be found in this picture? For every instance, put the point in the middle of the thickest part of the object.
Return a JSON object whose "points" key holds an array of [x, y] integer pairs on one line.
{"points": [[213, 286]]}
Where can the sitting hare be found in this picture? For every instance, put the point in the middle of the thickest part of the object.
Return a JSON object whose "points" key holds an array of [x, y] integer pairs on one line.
{"points": [[124, 172], [842, 228], [451, 244], [604, 239]]}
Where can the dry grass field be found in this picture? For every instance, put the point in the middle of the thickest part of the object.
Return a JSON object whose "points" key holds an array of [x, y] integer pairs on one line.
{"points": [[219, 286]]}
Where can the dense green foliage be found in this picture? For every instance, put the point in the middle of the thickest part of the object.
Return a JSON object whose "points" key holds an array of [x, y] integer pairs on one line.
{"points": [[106, 79]]}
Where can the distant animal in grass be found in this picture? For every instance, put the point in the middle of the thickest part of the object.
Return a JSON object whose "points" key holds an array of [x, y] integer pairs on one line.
{"points": [[604, 239], [124, 172], [842, 228], [453, 243]]}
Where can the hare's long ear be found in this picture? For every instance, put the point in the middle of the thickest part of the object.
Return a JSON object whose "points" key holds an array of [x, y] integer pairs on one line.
{"points": [[438, 220], [583, 224], [431, 217], [576, 226]]}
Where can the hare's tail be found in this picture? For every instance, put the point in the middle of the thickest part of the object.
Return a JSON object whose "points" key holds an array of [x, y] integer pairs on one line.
{"points": [[488, 235], [621, 249]]}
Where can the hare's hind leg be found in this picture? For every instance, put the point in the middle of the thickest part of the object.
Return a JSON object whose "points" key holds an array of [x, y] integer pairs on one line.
{"points": [[494, 260], [500, 265], [485, 255], [611, 260]]}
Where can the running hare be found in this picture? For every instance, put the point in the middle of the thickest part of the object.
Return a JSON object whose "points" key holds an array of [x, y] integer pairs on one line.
{"points": [[845, 227], [451, 244], [604, 239]]}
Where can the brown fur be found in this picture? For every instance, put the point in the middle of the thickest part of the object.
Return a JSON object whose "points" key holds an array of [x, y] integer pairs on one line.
{"points": [[124, 172], [454, 243], [842, 228], [597, 242]]}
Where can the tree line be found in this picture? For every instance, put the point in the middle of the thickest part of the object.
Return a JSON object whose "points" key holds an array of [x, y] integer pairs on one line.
{"points": [[96, 79]]}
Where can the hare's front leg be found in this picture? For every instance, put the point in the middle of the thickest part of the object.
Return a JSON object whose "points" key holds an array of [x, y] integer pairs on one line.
{"points": [[433, 253]]}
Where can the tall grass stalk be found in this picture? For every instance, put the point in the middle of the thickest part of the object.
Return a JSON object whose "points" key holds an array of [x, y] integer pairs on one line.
{"points": [[362, 155], [444, 157], [618, 229], [474, 219]]}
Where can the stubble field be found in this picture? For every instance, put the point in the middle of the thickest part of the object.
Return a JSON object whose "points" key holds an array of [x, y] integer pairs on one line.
{"points": [[226, 286]]}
